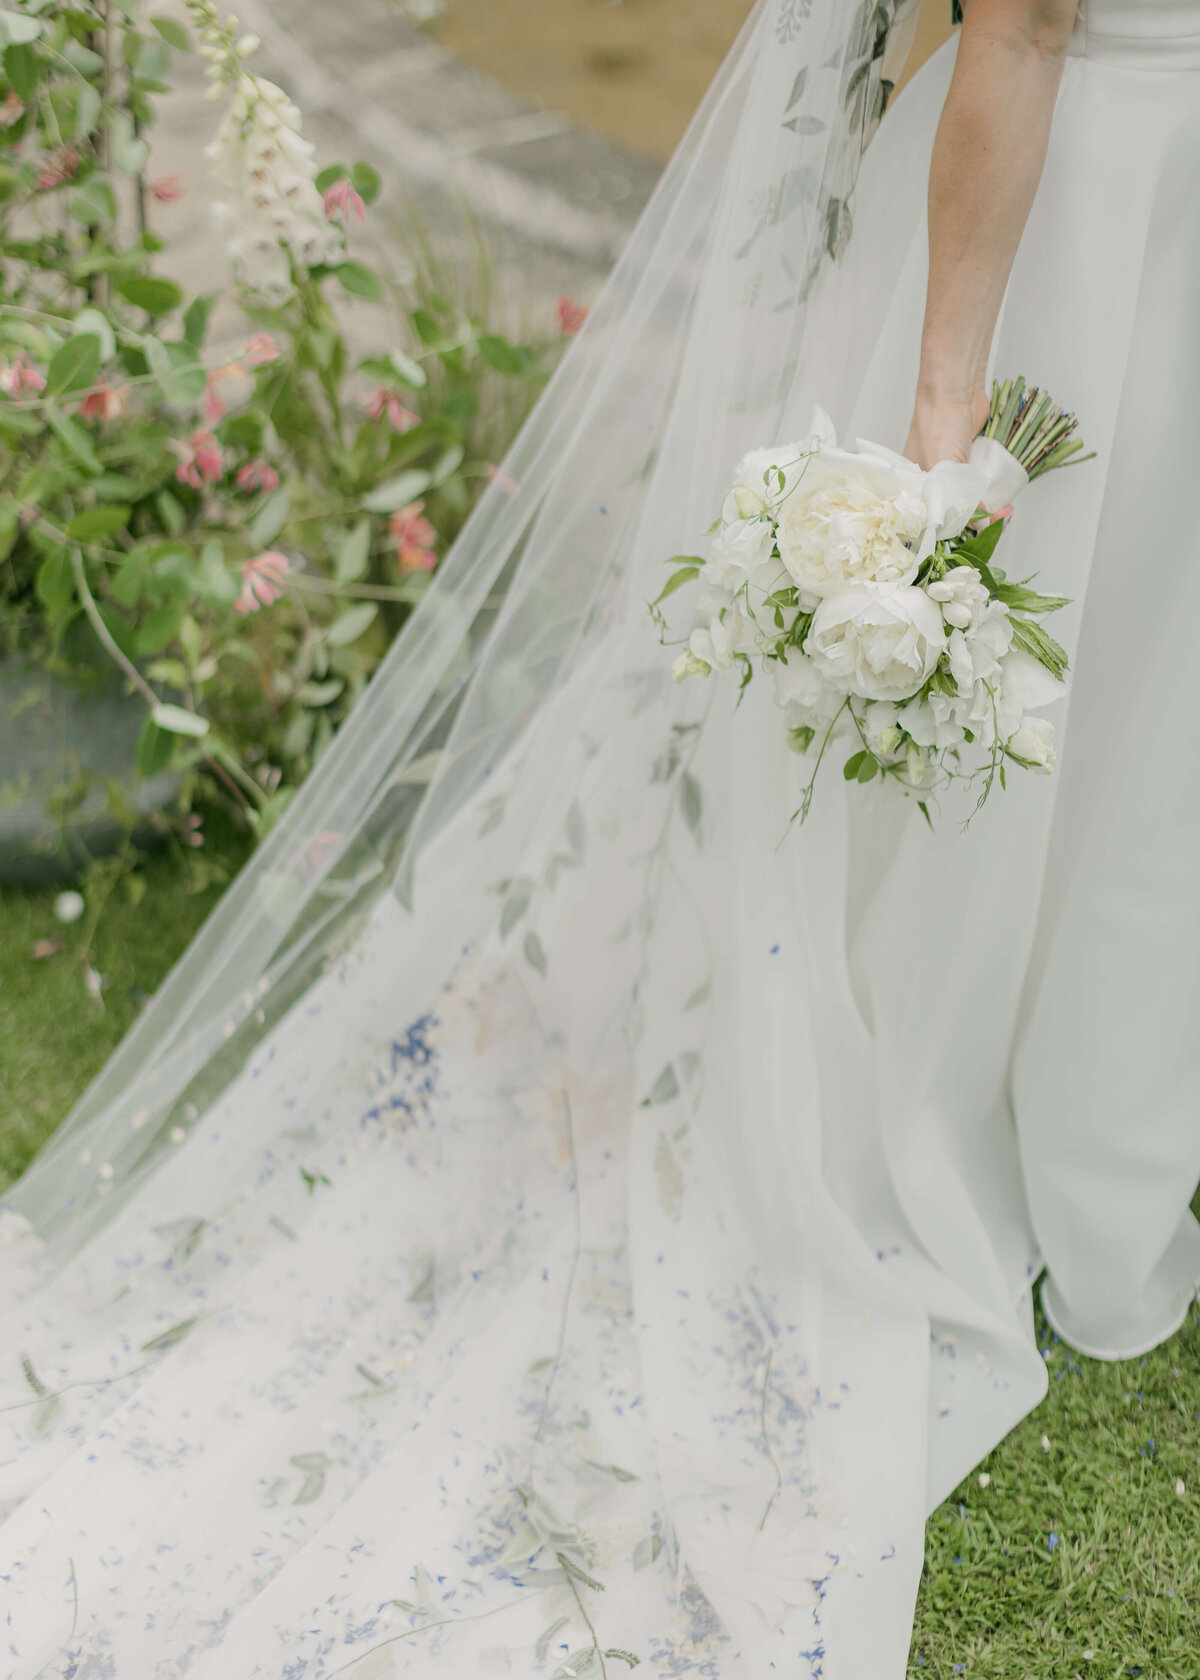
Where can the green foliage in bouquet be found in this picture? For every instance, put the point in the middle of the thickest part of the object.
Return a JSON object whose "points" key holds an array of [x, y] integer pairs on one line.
{"points": [[226, 504]]}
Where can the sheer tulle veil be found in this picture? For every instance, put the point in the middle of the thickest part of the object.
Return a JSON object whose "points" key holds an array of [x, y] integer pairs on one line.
{"points": [[524, 810], [687, 359]]}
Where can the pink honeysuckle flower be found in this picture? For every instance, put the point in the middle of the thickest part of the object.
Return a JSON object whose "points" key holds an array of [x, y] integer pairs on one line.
{"points": [[257, 475], [20, 378], [201, 461], [386, 403], [12, 109], [104, 402], [341, 196], [415, 539], [214, 405], [262, 581], [58, 167], [168, 189], [571, 316], [261, 349]]}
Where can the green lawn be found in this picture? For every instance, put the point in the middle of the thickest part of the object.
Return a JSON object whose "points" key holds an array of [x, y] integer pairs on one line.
{"points": [[1079, 1558]]}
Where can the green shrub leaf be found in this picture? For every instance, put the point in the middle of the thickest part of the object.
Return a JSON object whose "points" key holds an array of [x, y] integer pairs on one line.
{"points": [[98, 522], [74, 365]]}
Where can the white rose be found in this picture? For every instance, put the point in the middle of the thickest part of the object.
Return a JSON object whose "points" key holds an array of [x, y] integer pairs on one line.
{"points": [[1033, 745], [880, 644]]}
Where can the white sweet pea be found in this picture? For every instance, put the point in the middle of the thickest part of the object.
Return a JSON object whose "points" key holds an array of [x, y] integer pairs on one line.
{"points": [[687, 665], [1025, 686], [718, 643], [744, 545], [883, 726], [801, 688], [1033, 745], [880, 644], [933, 722]]}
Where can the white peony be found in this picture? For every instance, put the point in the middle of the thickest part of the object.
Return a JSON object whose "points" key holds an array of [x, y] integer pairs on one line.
{"points": [[870, 517], [880, 644], [1033, 745]]}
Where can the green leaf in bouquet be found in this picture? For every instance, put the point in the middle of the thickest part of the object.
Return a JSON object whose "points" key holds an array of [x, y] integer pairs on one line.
{"points": [[177, 720], [405, 369], [91, 320], [73, 366], [854, 764], [173, 33], [1019, 598], [99, 522], [151, 293], [982, 545], [154, 749], [1033, 639], [868, 768], [93, 201], [326, 177], [354, 553], [351, 624], [397, 492], [21, 70], [360, 281], [685, 574], [180, 375]]}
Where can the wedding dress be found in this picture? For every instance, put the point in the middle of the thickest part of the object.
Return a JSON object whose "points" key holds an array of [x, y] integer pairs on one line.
{"points": [[550, 1219]]}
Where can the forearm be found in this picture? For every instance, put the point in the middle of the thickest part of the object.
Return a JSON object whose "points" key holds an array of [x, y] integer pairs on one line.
{"points": [[987, 161]]}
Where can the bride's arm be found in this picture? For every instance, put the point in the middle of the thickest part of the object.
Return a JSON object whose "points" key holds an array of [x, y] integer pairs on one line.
{"points": [[987, 161]]}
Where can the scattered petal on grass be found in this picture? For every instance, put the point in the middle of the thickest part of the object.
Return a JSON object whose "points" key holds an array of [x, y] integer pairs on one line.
{"points": [[1045, 1443], [1051, 1542], [69, 906], [95, 985], [1088, 1655], [45, 948], [984, 1479], [177, 1134], [1181, 1489]]}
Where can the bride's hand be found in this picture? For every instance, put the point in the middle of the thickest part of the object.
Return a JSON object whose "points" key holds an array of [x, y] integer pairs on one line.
{"points": [[944, 429]]}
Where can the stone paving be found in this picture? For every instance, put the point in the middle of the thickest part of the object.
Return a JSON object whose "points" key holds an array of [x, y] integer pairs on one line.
{"points": [[554, 203]]}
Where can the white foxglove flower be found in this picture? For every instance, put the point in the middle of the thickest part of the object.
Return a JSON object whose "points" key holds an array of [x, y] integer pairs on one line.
{"points": [[278, 215]]}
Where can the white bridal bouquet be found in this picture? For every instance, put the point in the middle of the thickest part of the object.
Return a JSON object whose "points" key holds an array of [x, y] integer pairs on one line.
{"points": [[868, 588]]}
